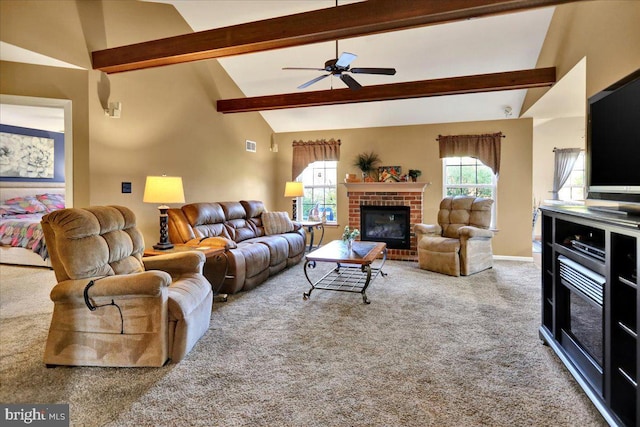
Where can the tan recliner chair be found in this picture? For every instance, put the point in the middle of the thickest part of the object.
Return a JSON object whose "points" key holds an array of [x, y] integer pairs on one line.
{"points": [[111, 306], [460, 244]]}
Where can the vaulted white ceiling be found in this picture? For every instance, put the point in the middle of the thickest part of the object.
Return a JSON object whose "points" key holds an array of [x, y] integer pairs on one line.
{"points": [[485, 45], [501, 43]]}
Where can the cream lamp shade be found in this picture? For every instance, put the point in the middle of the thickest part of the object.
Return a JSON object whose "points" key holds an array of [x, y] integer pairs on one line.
{"points": [[163, 190], [293, 189]]}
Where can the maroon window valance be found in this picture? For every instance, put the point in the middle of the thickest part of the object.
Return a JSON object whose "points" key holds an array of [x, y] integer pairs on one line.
{"points": [[485, 148], [307, 152]]}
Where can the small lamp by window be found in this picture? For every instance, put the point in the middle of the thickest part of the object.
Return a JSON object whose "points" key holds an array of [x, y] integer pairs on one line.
{"points": [[294, 189], [163, 190]]}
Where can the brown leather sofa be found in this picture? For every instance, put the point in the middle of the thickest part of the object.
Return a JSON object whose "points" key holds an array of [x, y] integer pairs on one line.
{"points": [[253, 254]]}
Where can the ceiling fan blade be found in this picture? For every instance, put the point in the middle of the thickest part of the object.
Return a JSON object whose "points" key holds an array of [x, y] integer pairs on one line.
{"points": [[350, 81], [385, 71], [345, 59], [310, 82], [302, 68]]}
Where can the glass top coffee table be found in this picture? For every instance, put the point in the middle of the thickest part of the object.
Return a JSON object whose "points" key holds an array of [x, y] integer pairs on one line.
{"points": [[354, 269]]}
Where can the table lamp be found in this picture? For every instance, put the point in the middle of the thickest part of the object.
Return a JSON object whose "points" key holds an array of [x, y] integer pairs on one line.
{"points": [[163, 189], [294, 189]]}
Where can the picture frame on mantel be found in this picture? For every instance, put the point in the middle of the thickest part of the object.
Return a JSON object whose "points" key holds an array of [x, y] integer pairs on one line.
{"points": [[389, 173]]}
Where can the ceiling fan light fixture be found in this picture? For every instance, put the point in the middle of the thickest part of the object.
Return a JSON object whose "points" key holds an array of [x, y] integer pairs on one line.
{"points": [[340, 65]]}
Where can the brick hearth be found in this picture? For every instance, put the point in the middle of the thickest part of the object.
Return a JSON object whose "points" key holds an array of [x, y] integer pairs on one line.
{"points": [[388, 194]]}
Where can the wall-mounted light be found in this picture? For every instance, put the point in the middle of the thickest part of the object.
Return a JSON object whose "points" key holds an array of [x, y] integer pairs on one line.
{"points": [[114, 111]]}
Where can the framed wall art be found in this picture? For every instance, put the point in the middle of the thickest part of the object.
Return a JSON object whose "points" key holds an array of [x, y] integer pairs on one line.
{"points": [[31, 155]]}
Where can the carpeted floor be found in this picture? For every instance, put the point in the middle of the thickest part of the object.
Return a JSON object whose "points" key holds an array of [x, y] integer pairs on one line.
{"points": [[430, 350]]}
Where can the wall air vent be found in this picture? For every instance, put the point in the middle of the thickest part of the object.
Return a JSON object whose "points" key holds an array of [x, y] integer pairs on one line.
{"points": [[250, 146]]}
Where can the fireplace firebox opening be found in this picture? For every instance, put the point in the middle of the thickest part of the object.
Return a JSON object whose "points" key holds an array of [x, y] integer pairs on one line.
{"points": [[388, 224]]}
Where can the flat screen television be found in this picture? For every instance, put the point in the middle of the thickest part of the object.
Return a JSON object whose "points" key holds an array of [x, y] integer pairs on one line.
{"points": [[613, 144]]}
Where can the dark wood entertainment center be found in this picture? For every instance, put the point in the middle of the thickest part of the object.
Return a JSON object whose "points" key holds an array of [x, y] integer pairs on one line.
{"points": [[590, 303]]}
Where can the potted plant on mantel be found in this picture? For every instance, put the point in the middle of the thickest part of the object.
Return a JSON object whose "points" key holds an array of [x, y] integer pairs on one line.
{"points": [[367, 162], [414, 174]]}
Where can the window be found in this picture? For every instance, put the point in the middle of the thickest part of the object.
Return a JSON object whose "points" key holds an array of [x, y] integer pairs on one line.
{"points": [[466, 176], [320, 191], [573, 189]]}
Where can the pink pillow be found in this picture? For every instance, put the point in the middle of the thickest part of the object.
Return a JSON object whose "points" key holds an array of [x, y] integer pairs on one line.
{"points": [[52, 202], [24, 205]]}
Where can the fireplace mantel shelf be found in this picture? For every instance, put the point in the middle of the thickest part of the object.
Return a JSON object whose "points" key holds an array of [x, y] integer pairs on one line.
{"points": [[382, 187]]}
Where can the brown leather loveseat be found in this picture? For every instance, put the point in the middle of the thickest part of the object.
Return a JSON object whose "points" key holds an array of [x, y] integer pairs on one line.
{"points": [[258, 243]]}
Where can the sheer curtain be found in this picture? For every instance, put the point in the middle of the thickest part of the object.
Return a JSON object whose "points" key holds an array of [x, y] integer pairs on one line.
{"points": [[565, 159], [485, 148], [305, 153]]}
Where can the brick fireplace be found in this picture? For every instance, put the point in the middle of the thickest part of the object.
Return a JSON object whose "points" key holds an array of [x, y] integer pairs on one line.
{"points": [[409, 194]]}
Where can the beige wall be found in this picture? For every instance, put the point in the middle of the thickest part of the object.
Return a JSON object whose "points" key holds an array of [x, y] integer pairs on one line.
{"points": [[48, 27], [169, 123], [563, 132], [606, 32], [415, 147], [58, 83], [169, 126]]}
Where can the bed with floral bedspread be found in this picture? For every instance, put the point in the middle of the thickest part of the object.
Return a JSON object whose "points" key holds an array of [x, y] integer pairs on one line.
{"points": [[20, 221]]}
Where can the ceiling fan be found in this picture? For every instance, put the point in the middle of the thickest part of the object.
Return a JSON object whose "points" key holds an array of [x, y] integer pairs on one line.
{"points": [[339, 66]]}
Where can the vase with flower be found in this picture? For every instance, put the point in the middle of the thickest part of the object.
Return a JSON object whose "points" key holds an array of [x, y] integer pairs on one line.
{"points": [[349, 235]]}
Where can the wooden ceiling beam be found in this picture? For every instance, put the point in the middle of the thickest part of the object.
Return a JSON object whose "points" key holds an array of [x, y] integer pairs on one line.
{"points": [[510, 80], [351, 20]]}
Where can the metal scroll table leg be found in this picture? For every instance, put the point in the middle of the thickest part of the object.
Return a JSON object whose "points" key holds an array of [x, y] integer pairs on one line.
{"points": [[321, 236], [366, 269], [384, 259], [308, 264], [311, 236]]}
